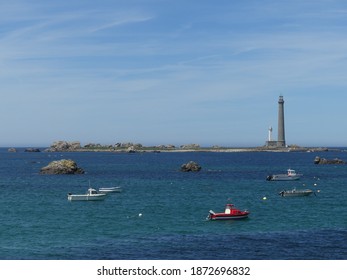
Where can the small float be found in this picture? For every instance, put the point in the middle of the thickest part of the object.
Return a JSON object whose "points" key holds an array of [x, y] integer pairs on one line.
{"points": [[230, 213], [289, 176], [91, 195]]}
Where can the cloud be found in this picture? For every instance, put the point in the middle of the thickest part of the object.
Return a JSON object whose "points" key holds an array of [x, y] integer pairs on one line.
{"points": [[122, 21]]}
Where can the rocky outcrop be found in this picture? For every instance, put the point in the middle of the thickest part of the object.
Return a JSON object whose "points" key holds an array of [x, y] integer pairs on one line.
{"points": [[319, 160], [190, 166], [190, 146], [165, 147], [64, 166], [64, 146], [32, 150], [131, 149]]}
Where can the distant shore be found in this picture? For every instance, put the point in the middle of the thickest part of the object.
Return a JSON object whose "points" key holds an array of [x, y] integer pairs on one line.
{"points": [[210, 150], [64, 146], [178, 150]]}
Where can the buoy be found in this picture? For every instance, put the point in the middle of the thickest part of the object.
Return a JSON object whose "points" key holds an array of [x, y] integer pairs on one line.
{"points": [[264, 198], [315, 184], [140, 214]]}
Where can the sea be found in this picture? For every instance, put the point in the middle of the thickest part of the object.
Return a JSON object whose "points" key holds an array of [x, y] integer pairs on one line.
{"points": [[161, 212]]}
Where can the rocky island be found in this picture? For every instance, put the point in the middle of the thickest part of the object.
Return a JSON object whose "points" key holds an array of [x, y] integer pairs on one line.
{"points": [[190, 167], [319, 160], [64, 166], [129, 147]]}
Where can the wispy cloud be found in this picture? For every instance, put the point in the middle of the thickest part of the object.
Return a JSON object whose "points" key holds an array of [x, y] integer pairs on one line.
{"points": [[122, 21]]}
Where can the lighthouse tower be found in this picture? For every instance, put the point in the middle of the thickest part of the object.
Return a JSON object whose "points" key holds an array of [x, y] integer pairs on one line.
{"points": [[281, 142]]}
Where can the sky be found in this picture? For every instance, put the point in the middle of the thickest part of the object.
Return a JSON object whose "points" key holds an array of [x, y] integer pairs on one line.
{"points": [[172, 72]]}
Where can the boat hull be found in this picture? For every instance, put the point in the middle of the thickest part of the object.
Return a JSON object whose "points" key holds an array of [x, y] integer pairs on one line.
{"points": [[82, 197], [227, 217], [294, 193], [283, 177]]}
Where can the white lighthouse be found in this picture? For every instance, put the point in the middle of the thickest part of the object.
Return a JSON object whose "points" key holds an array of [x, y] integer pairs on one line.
{"points": [[270, 134], [270, 142]]}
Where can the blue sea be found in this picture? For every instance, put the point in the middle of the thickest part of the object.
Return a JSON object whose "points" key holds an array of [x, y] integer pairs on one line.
{"points": [[161, 213]]}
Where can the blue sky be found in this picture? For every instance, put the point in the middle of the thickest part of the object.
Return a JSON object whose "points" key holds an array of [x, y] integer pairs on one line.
{"points": [[172, 72]]}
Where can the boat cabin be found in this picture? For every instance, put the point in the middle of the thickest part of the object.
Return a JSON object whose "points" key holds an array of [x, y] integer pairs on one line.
{"points": [[228, 208], [291, 172], [231, 210], [92, 191]]}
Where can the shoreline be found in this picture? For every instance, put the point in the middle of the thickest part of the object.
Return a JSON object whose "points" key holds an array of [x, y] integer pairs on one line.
{"points": [[197, 150], [63, 146]]}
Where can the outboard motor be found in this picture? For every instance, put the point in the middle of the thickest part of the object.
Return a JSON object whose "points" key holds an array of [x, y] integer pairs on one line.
{"points": [[210, 213], [269, 178]]}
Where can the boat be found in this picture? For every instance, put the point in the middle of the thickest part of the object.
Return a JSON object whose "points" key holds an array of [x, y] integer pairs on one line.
{"points": [[91, 195], [110, 190], [294, 192], [230, 213], [290, 176]]}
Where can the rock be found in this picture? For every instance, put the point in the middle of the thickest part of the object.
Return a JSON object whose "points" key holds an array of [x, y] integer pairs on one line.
{"points": [[64, 166], [190, 166], [190, 146], [32, 150], [319, 160], [63, 146], [131, 149]]}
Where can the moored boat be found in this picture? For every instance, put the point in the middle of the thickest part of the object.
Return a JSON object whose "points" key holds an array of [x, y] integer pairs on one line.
{"points": [[230, 213], [295, 192], [110, 190], [91, 195], [289, 176]]}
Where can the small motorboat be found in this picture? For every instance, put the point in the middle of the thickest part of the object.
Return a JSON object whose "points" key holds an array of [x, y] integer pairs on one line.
{"points": [[91, 195], [110, 190], [290, 176], [230, 213], [295, 192]]}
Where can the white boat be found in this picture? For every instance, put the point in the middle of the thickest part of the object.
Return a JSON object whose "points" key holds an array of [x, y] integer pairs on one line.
{"points": [[110, 190], [91, 195], [295, 192], [290, 176]]}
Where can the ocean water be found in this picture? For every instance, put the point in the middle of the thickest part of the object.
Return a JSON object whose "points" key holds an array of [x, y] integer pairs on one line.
{"points": [[161, 213]]}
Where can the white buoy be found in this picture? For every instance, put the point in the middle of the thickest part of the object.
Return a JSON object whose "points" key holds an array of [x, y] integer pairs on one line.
{"points": [[140, 214], [264, 198]]}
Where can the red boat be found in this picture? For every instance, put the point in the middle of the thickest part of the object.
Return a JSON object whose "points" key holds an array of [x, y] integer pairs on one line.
{"points": [[230, 213]]}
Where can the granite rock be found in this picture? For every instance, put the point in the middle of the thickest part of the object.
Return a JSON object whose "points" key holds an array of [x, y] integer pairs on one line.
{"points": [[319, 160], [64, 166], [190, 166], [64, 146]]}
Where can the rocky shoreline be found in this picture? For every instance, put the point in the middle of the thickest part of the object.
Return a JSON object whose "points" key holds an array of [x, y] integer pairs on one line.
{"points": [[75, 146]]}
